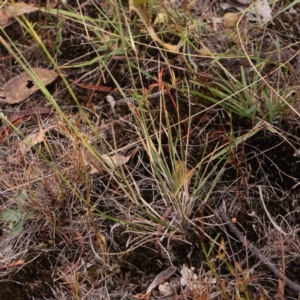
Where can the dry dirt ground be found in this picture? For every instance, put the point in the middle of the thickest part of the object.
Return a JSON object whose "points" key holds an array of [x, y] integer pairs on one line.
{"points": [[107, 235]]}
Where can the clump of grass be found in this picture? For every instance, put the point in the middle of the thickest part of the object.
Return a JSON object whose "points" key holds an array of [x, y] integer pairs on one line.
{"points": [[108, 186]]}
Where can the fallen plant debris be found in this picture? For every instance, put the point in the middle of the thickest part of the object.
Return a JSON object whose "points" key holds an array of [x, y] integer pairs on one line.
{"points": [[112, 174], [98, 164], [21, 116], [13, 264], [20, 87], [33, 139], [9, 12], [225, 218], [159, 279]]}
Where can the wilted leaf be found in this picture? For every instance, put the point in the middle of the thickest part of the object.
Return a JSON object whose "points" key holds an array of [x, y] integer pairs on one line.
{"points": [[18, 88], [117, 160], [14, 9], [20, 8], [173, 48], [33, 139], [143, 13], [160, 278]]}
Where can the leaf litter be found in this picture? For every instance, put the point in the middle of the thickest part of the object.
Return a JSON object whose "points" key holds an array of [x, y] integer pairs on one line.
{"points": [[12, 10], [60, 204], [20, 87]]}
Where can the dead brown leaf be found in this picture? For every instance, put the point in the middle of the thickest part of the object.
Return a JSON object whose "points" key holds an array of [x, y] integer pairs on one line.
{"points": [[33, 139], [18, 88], [143, 13], [14, 9], [117, 160], [159, 279], [113, 161], [20, 8]]}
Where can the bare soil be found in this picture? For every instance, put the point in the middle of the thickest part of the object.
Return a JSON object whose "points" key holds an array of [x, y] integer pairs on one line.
{"points": [[58, 246]]}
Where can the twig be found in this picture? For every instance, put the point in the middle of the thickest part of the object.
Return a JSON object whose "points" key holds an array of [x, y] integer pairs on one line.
{"points": [[225, 218]]}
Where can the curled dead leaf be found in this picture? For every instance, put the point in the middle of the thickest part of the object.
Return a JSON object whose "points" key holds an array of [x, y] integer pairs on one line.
{"points": [[117, 160], [143, 13], [158, 280], [161, 278], [33, 139], [97, 164]]}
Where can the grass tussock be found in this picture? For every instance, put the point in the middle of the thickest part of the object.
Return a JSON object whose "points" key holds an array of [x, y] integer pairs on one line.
{"points": [[168, 165]]}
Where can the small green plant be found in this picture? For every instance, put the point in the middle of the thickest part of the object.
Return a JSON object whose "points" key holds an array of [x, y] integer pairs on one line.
{"points": [[17, 216]]}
